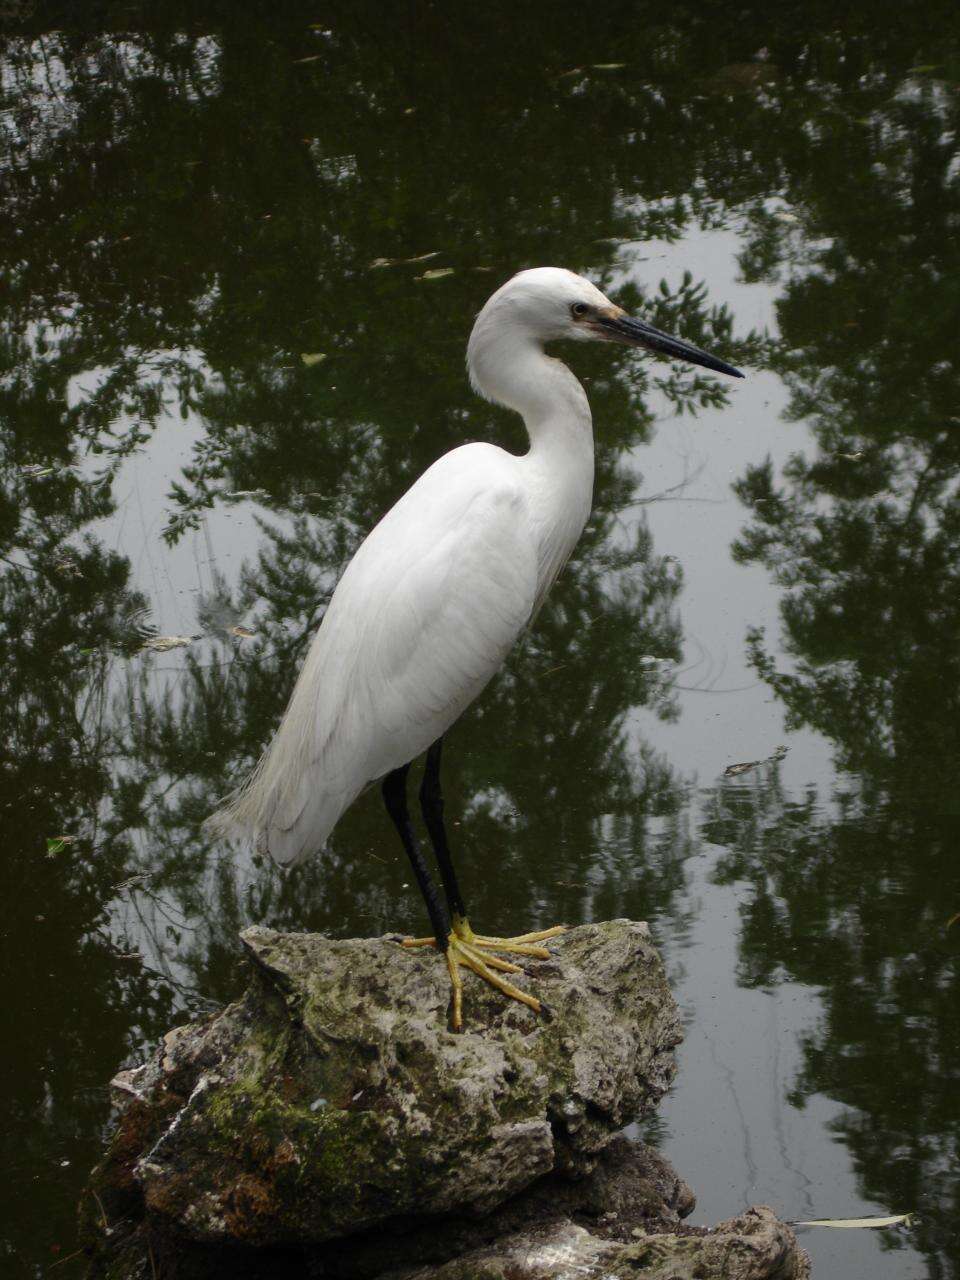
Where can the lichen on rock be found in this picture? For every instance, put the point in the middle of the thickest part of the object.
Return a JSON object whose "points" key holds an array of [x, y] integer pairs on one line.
{"points": [[333, 1096], [331, 1116], [753, 1246]]}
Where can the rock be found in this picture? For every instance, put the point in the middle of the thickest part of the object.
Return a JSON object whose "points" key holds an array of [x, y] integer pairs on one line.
{"points": [[753, 1246], [328, 1124], [631, 1187], [333, 1098]]}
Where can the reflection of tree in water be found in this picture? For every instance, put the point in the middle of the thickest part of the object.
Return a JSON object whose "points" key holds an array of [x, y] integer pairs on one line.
{"points": [[185, 214], [181, 218], [71, 996], [853, 902], [864, 540], [173, 264]]}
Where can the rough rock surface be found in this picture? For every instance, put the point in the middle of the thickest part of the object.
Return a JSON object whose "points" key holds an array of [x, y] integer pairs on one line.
{"points": [[328, 1124], [631, 1188], [753, 1246], [332, 1097]]}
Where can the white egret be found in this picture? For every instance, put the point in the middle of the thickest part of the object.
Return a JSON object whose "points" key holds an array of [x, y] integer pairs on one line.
{"points": [[428, 608]]}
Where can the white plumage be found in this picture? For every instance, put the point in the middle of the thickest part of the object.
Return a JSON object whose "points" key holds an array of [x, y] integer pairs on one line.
{"points": [[440, 590]]}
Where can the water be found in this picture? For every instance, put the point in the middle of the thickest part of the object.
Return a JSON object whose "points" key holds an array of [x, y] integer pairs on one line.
{"points": [[186, 212]]}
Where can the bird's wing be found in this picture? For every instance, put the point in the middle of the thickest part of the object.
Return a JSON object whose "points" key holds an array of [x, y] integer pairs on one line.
{"points": [[424, 615], [448, 620]]}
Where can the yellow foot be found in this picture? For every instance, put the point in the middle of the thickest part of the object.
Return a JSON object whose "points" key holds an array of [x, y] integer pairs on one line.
{"points": [[465, 949], [519, 945]]}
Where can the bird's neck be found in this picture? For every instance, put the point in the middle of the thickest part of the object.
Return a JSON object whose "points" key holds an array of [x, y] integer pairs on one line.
{"points": [[517, 373], [559, 465]]}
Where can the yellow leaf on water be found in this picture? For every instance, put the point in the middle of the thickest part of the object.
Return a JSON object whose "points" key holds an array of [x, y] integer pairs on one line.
{"points": [[311, 358], [734, 770], [397, 262], [607, 66], [163, 644], [436, 274], [243, 632], [852, 1223]]}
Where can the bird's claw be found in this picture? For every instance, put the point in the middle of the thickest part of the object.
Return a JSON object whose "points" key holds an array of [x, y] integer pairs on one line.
{"points": [[469, 950], [518, 945]]}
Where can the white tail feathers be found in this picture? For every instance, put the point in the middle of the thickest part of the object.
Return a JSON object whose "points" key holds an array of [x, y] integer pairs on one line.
{"points": [[288, 827], [294, 797]]}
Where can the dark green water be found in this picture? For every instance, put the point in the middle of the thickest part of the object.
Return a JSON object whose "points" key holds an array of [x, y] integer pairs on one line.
{"points": [[187, 209]]}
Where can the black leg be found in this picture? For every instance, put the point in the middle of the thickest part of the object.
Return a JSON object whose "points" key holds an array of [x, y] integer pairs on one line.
{"points": [[431, 805], [395, 798]]}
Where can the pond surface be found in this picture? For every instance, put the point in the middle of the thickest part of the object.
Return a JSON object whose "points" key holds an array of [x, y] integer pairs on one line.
{"points": [[224, 353]]}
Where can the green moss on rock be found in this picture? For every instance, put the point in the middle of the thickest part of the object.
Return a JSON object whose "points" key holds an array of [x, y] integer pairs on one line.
{"points": [[333, 1096]]}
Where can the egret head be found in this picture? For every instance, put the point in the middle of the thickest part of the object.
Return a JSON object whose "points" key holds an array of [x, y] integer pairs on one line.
{"points": [[545, 304]]}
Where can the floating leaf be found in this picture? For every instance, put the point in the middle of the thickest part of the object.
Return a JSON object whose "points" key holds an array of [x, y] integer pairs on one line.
{"points": [[314, 57], [852, 1223], [310, 358], [607, 66], [732, 770], [163, 644], [140, 878], [243, 632], [953, 920], [924, 68], [398, 262], [436, 274], [57, 844], [34, 469]]}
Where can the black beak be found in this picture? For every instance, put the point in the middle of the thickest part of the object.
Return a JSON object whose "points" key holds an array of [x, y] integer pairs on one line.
{"points": [[637, 333]]}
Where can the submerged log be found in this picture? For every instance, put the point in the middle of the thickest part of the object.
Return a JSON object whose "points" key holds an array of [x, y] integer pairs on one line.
{"points": [[330, 1122]]}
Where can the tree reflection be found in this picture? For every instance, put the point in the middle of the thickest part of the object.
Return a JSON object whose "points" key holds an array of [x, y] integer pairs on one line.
{"points": [[864, 539], [188, 207], [156, 261]]}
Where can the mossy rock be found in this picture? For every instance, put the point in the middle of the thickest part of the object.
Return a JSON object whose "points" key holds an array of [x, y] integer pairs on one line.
{"points": [[333, 1097], [753, 1246]]}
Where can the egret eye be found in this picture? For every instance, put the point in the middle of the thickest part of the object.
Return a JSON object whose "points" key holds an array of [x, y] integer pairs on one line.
{"points": [[579, 309]]}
